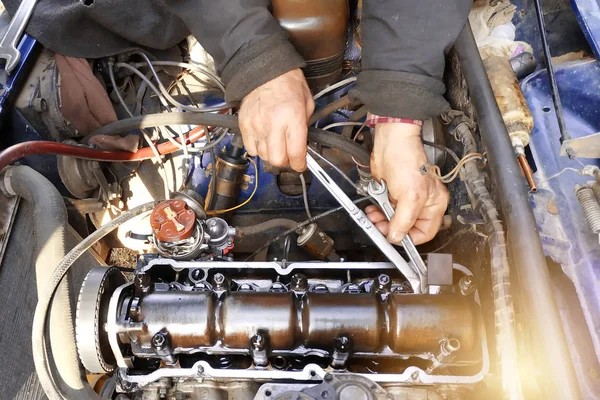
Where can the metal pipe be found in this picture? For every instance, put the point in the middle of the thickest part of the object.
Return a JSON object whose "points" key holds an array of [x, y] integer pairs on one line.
{"points": [[549, 345]]}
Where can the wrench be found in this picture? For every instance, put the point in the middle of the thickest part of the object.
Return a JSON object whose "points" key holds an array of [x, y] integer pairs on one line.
{"points": [[14, 33], [365, 224], [380, 193]]}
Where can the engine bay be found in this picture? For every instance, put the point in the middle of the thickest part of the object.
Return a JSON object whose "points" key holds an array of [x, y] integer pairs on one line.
{"points": [[221, 276]]}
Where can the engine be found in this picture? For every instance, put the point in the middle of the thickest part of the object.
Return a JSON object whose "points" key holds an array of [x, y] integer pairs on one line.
{"points": [[179, 329]]}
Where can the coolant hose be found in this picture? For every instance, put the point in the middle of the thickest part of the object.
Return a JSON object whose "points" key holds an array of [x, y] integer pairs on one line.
{"points": [[24, 149], [45, 298], [50, 227], [277, 223], [550, 349]]}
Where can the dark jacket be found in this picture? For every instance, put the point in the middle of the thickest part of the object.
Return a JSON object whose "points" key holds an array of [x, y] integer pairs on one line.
{"points": [[403, 42]]}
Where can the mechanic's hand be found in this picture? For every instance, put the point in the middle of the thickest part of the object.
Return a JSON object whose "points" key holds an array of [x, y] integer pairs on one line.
{"points": [[420, 199], [274, 119]]}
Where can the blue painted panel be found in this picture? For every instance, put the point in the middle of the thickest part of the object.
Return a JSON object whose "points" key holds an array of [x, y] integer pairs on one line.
{"points": [[566, 235], [588, 15]]}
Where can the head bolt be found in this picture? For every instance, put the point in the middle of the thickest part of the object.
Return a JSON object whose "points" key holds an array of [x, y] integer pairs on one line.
{"points": [[342, 344], [258, 341], [383, 282]]}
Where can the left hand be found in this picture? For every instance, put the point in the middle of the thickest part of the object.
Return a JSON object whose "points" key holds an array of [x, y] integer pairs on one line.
{"points": [[420, 199]]}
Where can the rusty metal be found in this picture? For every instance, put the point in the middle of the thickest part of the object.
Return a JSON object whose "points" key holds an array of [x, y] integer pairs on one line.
{"points": [[413, 324], [318, 30], [230, 178], [527, 172], [513, 106], [77, 175], [316, 242]]}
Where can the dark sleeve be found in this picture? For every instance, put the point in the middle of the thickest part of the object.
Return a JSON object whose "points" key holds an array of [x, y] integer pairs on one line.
{"points": [[248, 44], [404, 45]]}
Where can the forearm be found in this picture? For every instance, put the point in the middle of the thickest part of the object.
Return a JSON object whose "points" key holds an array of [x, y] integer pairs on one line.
{"points": [[247, 43], [404, 46]]}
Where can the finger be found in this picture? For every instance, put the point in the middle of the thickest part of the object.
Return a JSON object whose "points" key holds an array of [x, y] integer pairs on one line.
{"points": [[248, 135], [296, 138], [263, 151], [372, 207], [277, 149], [428, 224], [310, 105], [250, 144], [408, 209], [377, 216], [383, 227]]}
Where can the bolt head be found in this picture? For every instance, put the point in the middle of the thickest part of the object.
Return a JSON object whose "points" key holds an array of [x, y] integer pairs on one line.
{"points": [[342, 343], [219, 278], [159, 340], [258, 341]]}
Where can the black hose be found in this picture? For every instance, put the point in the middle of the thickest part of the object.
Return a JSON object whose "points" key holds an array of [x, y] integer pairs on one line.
{"points": [[339, 142], [50, 227], [537, 295], [263, 227], [329, 139]]}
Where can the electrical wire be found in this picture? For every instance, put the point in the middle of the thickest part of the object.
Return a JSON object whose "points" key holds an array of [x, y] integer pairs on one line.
{"points": [[305, 195], [165, 92], [559, 174], [335, 168], [301, 225], [443, 148], [213, 179], [197, 68], [336, 124], [450, 176], [217, 212], [158, 158], [334, 87]]}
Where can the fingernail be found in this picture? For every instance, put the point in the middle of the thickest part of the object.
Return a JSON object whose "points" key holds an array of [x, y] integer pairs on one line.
{"points": [[396, 237]]}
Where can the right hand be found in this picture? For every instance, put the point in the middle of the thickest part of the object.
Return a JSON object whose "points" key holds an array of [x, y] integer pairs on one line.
{"points": [[274, 119]]}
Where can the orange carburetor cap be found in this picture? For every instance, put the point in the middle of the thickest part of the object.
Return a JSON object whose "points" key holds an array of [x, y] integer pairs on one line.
{"points": [[172, 221]]}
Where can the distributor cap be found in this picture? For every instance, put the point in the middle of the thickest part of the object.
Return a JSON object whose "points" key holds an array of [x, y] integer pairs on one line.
{"points": [[172, 221]]}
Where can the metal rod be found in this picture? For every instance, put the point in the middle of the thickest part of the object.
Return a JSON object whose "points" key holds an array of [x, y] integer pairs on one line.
{"points": [[558, 108]]}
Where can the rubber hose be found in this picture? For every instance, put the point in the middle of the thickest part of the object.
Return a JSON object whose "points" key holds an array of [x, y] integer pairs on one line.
{"points": [[50, 227], [277, 223], [550, 348], [164, 119], [339, 142], [40, 354], [24, 149], [329, 139], [328, 109]]}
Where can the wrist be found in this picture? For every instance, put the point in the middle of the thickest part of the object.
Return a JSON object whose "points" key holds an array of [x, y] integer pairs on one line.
{"points": [[398, 130]]}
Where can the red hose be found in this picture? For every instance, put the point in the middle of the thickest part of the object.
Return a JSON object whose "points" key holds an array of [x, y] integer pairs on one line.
{"points": [[13, 153]]}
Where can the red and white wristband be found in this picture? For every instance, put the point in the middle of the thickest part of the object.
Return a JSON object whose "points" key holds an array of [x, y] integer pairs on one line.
{"points": [[373, 120]]}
